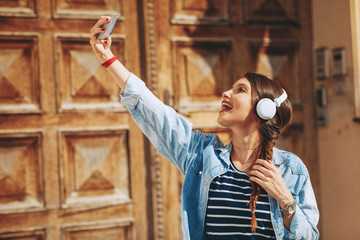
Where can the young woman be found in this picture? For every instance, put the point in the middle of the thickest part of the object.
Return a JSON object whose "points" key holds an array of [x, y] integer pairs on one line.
{"points": [[247, 189]]}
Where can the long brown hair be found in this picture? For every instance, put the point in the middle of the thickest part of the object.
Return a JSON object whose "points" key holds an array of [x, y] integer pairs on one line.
{"points": [[269, 130]]}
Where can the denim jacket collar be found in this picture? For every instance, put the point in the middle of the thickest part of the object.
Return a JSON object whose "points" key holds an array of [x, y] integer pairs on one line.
{"points": [[225, 151], [279, 157]]}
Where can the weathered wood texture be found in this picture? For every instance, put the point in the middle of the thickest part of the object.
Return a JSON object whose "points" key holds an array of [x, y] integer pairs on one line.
{"points": [[72, 164]]}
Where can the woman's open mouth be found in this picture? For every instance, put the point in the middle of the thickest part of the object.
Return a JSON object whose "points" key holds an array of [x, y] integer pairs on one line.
{"points": [[225, 106]]}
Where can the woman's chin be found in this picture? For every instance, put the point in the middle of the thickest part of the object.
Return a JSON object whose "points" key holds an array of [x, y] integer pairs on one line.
{"points": [[222, 122]]}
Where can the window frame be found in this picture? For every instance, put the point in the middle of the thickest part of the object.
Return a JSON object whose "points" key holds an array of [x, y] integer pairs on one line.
{"points": [[355, 28]]}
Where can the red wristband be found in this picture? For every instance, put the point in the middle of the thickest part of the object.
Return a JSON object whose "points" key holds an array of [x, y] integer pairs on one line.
{"points": [[109, 62]]}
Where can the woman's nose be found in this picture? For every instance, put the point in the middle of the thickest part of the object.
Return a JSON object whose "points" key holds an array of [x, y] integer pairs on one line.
{"points": [[226, 94]]}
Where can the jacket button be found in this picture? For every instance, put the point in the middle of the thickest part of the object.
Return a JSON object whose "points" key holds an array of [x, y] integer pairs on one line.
{"points": [[200, 172]]}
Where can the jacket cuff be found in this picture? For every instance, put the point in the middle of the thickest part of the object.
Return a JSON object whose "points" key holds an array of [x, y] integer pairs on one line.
{"points": [[296, 223], [131, 96]]}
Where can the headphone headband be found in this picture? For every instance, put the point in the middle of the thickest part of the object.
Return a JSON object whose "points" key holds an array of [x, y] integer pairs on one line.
{"points": [[278, 101]]}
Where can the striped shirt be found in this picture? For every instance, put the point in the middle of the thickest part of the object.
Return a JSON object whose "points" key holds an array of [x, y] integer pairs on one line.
{"points": [[228, 216]]}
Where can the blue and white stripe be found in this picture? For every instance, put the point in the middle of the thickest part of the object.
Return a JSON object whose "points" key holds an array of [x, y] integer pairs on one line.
{"points": [[228, 216]]}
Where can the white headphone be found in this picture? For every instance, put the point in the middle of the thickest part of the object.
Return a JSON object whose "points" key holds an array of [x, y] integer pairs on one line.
{"points": [[266, 108]]}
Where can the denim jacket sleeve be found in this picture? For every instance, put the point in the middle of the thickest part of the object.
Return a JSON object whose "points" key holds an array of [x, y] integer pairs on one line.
{"points": [[170, 133], [306, 217]]}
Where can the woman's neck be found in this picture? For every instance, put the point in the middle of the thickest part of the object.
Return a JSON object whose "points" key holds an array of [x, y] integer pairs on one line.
{"points": [[245, 147]]}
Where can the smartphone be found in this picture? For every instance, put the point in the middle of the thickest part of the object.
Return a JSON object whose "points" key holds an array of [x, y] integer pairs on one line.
{"points": [[109, 27]]}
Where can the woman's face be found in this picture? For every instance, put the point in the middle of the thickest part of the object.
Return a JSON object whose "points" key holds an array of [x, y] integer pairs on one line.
{"points": [[237, 107]]}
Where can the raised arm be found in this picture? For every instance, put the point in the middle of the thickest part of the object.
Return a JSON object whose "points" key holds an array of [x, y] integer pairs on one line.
{"points": [[170, 133], [103, 53]]}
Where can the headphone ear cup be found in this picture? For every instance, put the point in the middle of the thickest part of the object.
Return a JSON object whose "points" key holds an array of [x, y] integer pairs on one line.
{"points": [[266, 109]]}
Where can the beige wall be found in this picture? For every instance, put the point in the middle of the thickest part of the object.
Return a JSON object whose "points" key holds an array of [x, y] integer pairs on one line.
{"points": [[339, 141]]}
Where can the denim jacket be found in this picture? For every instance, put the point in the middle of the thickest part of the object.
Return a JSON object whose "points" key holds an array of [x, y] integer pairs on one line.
{"points": [[201, 157]]}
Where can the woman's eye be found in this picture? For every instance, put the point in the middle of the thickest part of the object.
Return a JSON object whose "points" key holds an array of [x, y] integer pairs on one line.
{"points": [[241, 89]]}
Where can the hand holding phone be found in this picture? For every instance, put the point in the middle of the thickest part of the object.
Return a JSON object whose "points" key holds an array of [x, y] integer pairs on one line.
{"points": [[109, 27]]}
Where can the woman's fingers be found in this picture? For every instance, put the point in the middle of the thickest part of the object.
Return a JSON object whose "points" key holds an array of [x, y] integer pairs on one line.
{"points": [[93, 36], [257, 173], [267, 176], [94, 40], [267, 164], [98, 28], [262, 171], [101, 47], [107, 40], [265, 172], [101, 21]]}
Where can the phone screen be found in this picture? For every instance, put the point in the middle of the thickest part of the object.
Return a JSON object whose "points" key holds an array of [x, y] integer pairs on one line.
{"points": [[109, 27]]}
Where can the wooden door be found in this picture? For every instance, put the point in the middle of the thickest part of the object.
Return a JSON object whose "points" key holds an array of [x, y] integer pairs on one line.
{"points": [[200, 47], [72, 162]]}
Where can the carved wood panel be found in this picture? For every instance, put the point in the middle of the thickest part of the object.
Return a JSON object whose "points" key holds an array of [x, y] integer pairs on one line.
{"points": [[200, 12], [83, 84], [19, 93], [18, 8], [87, 9], [202, 71], [271, 12], [38, 234], [117, 229], [21, 174], [278, 60], [94, 168]]}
